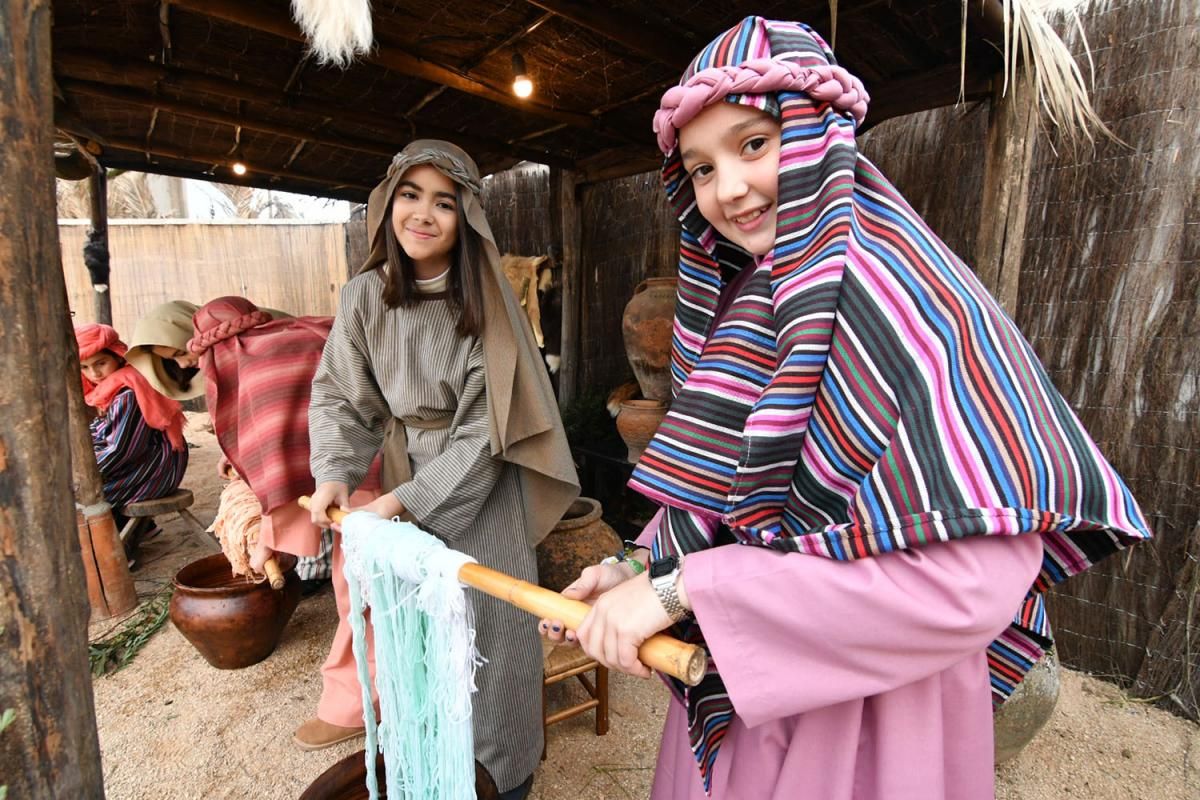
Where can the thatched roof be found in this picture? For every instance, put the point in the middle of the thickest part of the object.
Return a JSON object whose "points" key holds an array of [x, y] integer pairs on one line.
{"points": [[183, 87]]}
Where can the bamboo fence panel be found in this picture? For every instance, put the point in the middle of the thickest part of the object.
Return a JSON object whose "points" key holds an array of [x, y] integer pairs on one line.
{"points": [[281, 264]]}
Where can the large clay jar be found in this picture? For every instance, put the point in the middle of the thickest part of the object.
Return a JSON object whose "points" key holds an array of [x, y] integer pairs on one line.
{"points": [[646, 326], [347, 780], [579, 540], [1028, 709], [637, 422], [232, 621]]}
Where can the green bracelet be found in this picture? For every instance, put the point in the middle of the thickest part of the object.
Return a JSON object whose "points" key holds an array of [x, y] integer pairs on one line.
{"points": [[624, 557]]}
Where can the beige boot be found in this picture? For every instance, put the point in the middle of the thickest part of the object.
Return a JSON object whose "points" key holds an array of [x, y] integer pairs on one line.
{"points": [[317, 734]]}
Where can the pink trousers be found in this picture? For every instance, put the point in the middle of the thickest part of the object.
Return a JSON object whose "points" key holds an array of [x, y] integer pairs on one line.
{"points": [[289, 530]]}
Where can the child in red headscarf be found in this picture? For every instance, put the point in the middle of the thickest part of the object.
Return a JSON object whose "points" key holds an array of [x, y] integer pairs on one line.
{"points": [[138, 432]]}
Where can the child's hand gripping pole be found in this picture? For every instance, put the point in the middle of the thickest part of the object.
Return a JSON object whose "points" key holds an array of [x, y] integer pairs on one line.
{"points": [[661, 652]]}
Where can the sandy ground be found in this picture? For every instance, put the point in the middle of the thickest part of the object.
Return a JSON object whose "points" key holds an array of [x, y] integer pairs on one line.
{"points": [[171, 726]]}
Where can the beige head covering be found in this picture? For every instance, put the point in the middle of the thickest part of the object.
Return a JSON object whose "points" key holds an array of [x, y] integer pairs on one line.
{"points": [[168, 325], [526, 428]]}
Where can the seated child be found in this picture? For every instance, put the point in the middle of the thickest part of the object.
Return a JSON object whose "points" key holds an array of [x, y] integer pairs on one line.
{"points": [[138, 433]]}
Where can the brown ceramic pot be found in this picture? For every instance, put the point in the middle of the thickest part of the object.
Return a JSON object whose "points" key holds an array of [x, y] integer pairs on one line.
{"points": [[232, 621], [347, 780], [637, 423], [579, 540], [646, 326]]}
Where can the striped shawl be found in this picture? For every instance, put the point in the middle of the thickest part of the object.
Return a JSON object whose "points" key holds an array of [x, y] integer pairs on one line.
{"points": [[863, 393]]}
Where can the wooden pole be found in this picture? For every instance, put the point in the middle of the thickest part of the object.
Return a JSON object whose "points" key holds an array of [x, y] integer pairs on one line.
{"points": [[661, 651], [95, 251], [50, 748], [110, 586], [564, 186], [1000, 245]]}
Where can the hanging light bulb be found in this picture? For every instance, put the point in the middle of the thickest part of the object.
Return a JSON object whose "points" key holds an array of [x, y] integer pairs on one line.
{"points": [[239, 168], [522, 85]]}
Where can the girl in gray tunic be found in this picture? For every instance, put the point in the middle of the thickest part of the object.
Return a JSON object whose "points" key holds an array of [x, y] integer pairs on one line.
{"points": [[431, 359]]}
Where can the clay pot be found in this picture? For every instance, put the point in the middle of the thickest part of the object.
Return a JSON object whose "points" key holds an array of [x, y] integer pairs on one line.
{"points": [[347, 780], [579, 540], [232, 621], [637, 422], [1028, 709], [646, 326]]}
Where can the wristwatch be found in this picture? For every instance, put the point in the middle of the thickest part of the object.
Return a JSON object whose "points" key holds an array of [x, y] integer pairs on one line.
{"points": [[664, 575]]}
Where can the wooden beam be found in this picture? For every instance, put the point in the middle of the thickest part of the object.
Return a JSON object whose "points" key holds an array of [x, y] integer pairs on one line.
{"points": [[132, 97], [932, 89], [473, 62], [49, 747], [218, 163], [83, 65], [638, 36], [564, 189], [399, 60], [1000, 244]]}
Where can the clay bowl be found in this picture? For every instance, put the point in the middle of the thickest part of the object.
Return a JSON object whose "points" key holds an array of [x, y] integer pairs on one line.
{"points": [[232, 621], [347, 780]]}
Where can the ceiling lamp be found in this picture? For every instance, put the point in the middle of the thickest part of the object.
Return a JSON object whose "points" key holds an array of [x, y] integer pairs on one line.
{"points": [[239, 168], [522, 86]]}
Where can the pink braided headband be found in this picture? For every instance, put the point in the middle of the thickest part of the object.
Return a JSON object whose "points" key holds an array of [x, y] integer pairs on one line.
{"points": [[824, 83], [230, 327]]}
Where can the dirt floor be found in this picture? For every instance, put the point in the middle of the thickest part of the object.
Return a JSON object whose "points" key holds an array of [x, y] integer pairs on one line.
{"points": [[171, 726]]}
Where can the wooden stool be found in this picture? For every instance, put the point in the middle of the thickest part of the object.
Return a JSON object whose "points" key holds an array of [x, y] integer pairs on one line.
{"points": [[176, 503], [562, 662]]}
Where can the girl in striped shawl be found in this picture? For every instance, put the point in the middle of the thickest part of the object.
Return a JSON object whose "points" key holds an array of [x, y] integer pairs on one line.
{"points": [[138, 433], [867, 479]]}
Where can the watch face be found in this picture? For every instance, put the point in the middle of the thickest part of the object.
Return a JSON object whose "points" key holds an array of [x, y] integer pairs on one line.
{"points": [[663, 566]]}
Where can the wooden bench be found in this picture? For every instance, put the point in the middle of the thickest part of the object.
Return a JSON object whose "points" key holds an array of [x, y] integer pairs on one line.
{"points": [[175, 503]]}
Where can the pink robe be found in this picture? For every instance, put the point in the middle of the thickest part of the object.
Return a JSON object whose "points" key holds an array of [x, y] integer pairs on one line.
{"points": [[862, 680]]}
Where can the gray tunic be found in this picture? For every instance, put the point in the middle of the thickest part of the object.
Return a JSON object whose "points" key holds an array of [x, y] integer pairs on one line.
{"points": [[411, 363]]}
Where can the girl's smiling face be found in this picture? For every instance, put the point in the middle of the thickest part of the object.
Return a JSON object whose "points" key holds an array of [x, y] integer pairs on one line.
{"points": [[100, 366], [425, 219], [731, 153]]}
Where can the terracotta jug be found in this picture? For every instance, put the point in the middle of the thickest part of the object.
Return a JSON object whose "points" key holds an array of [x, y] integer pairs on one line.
{"points": [[232, 621], [646, 326], [637, 422], [581, 538]]}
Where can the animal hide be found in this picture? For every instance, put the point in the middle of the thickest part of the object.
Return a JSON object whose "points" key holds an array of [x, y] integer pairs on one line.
{"points": [[525, 274]]}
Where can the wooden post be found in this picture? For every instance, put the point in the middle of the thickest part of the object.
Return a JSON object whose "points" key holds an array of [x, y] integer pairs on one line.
{"points": [[564, 186], [95, 251], [1000, 245], [110, 586], [50, 748]]}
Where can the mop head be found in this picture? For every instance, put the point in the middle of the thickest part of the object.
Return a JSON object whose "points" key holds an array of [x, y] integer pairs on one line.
{"points": [[425, 657], [236, 527]]}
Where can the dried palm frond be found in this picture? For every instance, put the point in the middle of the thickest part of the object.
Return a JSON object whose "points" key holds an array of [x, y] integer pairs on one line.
{"points": [[1031, 43]]}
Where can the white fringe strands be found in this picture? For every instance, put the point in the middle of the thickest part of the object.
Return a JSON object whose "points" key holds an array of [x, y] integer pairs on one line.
{"points": [[336, 30], [425, 657]]}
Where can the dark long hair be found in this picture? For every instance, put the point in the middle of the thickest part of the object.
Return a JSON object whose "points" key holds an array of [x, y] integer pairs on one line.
{"points": [[465, 285]]}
